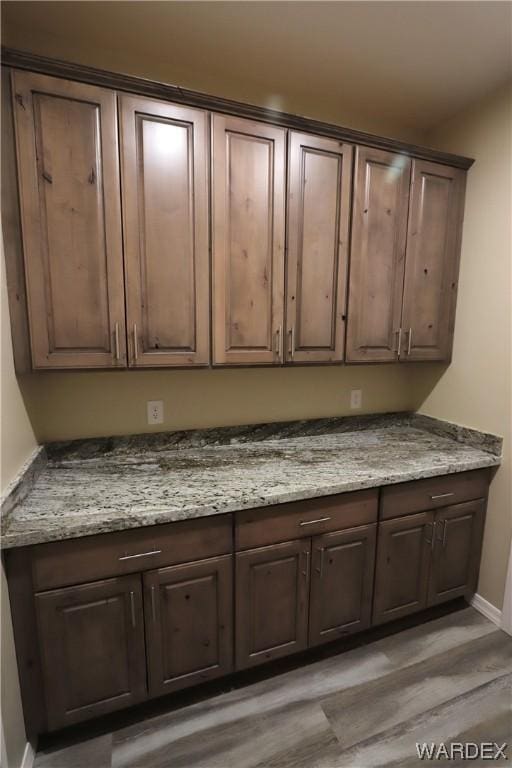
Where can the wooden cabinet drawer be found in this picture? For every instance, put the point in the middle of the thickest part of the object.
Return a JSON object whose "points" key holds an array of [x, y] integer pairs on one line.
{"points": [[434, 492], [111, 554], [285, 522]]}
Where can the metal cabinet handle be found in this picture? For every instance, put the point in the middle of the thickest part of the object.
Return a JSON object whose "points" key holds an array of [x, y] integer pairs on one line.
{"points": [[409, 341], [432, 539], [279, 343], [292, 341], [442, 496], [311, 522], [141, 554], [153, 604], [132, 605], [135, 342], [399, 342], [444, 533], [116, 339]]}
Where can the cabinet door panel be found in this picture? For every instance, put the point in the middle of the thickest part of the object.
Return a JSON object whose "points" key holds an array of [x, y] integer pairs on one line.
{"points": [[379, 226], [165, 203], [247, 240], [402, 566], [456, 560], [272, 585], [70, 207], [189, 611], [432, 261], [341, 583], [92, 642], [318, 219]]}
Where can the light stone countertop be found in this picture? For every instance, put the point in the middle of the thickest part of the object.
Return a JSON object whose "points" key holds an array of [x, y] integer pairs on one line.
{"points": [[110, 484]]}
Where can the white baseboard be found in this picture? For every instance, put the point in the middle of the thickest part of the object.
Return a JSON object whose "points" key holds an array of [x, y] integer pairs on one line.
{"points": [[486, 608], [28, 756]]}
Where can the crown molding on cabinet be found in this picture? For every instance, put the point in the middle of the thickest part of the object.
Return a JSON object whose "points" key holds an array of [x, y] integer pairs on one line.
{"points": [[174, 93]]}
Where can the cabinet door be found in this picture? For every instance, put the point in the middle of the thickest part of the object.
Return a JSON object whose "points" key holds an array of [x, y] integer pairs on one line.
{"points": [[272, 586], [248, 241], [165, 205], [379, 227], [432, 261], [189, 610], [92, 646], [318, 219], [341, 583], [402, 567], [456, 560], [70, 208]]}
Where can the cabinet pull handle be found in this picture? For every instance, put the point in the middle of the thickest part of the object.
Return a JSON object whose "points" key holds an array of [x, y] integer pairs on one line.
{"points": [[153, 605], [311, 522], [442, 496], [140, 554], [444, 533], [135, 342], [306, 570], [132, 605], [292, 341], [279, 343], [409, 341], [399, 342], [432, 539], [116, 339]]}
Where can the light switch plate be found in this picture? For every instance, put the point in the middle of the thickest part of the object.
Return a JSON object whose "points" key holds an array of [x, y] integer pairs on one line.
{"points": [[356, 399], [155, 411]]}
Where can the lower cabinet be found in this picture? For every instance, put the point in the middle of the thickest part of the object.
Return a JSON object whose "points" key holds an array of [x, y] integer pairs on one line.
{"points": [[427, 558], [272, 586], [189, 631], [341, 583], [456, 558], [92, 649]]}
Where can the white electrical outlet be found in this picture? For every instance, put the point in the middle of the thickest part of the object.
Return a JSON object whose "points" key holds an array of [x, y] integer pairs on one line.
{"points": [[155, 411], [356, 398]]}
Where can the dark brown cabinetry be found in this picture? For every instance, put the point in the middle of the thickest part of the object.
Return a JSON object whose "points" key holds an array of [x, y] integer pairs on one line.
{"points": [[342, 568], [68, 171], [110, 620], [429, 557], [458, 542], [318, 220], [405, 253], [188, 611], [92, 649], [272, 585], [403, 556]]}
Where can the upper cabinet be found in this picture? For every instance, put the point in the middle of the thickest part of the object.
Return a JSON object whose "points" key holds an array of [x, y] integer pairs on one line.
{"points": [[188, 238], [68, 174], [248, 201], [379, 229], [404, 262], [164, 150], [319, 174], [432, 263]]}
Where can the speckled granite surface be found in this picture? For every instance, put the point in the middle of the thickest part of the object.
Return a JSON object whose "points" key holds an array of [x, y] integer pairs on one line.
{"points": [[110, 484]]}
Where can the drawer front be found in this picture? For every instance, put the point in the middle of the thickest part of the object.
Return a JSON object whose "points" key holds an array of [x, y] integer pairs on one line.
{"points": [[111, 554], [434, 492], [286, 522]]}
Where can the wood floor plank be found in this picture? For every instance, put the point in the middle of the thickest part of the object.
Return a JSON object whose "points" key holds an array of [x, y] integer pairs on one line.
{"points": [[451, 722], [92, 753], [367, 710]]}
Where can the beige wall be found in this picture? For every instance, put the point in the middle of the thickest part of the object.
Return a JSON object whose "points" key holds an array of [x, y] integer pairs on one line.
{"points": [[476, 389], [17, 443]]}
